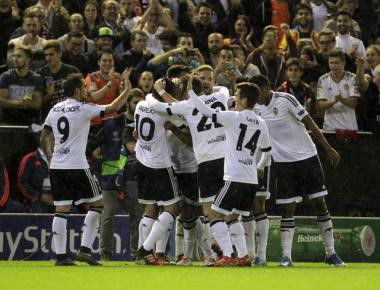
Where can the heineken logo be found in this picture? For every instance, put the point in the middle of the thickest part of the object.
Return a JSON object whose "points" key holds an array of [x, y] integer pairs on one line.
{"points": [[308, 238]]}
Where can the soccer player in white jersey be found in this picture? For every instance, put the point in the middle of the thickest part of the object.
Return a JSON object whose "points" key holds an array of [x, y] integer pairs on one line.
{"points": [[245, 132], [156, 180], [296, 166], [208, 137], [66, 128]]}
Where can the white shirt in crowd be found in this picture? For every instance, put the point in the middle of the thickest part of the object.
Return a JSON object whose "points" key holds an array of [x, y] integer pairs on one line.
{"points": [[288, 136], [339, 116], [346, 42], [70, 123], [153, 43], [319, 16]]}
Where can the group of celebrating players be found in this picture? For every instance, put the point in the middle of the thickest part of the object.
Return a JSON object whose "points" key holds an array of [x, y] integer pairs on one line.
{"points": [[206, 161]]}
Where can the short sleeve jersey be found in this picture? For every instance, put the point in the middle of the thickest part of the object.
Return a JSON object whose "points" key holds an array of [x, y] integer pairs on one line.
{"points": [[70, 123], [152, 148], [338, 116], [289, 139], [245, 133], [208, 135]]}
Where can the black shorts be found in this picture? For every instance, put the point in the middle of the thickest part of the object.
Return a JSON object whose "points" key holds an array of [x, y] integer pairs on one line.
{"points": [[263, 188], [188, 187], [293, 180], [210, 179], [157, 186], [74, 185], [235, 197]]}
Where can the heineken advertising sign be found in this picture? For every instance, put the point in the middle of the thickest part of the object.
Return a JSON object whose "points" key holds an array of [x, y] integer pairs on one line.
{"points": [[356, 239]]}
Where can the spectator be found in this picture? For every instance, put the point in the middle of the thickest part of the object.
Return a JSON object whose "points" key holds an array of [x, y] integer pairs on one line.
{"points": [[8, 24], [326, 43], [53, 74], [30, 38], [184, 54], [33, 181], [151, 22], [76, 24], [128, 15], [226, 71], [296, 87], [321, 10], [247, 70], [21, 90], [367, 17], [267, 57], [369, 103], [91, 19], [6, 203], [145, 82], [310, 66], [73, 55], [138, 56], [110, 14], [215, 44], [354, 47], [303, 32], [57, 18], [200, 27], [348, 6], [242, 34], [104, 85], [373, 58], [338, 95]]}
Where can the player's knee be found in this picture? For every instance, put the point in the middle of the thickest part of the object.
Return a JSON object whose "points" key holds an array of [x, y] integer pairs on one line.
{"points": [[259, 205], [151, 210], [288, 210], [64, 209], [319, 205]]}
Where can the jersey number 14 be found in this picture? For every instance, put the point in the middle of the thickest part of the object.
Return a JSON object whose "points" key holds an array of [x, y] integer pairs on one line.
{"points": [[251, 144]]}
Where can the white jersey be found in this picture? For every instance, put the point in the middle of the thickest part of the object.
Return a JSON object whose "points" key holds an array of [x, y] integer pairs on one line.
{"points": [[207, 134], [70, 123], [338, 116], [152, 148], [245, 133], [289, 139], [182, 155]]}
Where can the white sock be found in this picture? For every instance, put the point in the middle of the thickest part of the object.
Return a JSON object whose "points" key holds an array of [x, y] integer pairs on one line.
{"points": [[204, 241], [163, 242], [249, 226], [160, 227], [141, 239], [220, 232], [262, 228], [90, 228], [326, 226], [189, 237], [238, 238], [178, 238], [60, 233], [287, 233], [147, 224]]}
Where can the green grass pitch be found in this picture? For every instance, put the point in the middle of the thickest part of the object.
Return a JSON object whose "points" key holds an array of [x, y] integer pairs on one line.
{"points": [[15, 275]]}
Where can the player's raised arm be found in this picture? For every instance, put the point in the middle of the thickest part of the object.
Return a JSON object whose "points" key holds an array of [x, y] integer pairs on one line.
{"points": [[201, 107], [122, 98]]}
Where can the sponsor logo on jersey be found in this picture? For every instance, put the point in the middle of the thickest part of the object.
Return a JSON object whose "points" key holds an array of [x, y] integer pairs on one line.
{"points": [[146, 147], [247, 161], [219, 138], [209, 101], [64, 151]]}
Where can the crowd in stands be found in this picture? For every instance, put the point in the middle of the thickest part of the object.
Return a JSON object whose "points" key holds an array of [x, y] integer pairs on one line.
{"points": [[325, 53]]}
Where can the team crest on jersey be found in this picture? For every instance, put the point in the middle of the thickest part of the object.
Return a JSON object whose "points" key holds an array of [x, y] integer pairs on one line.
{"points": [[275, 111]]}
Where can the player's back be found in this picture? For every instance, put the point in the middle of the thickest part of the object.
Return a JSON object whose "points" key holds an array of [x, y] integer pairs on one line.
{"points": [[152, 147], [289, 138], [245, 133], [208, 135], [70, 124]]}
